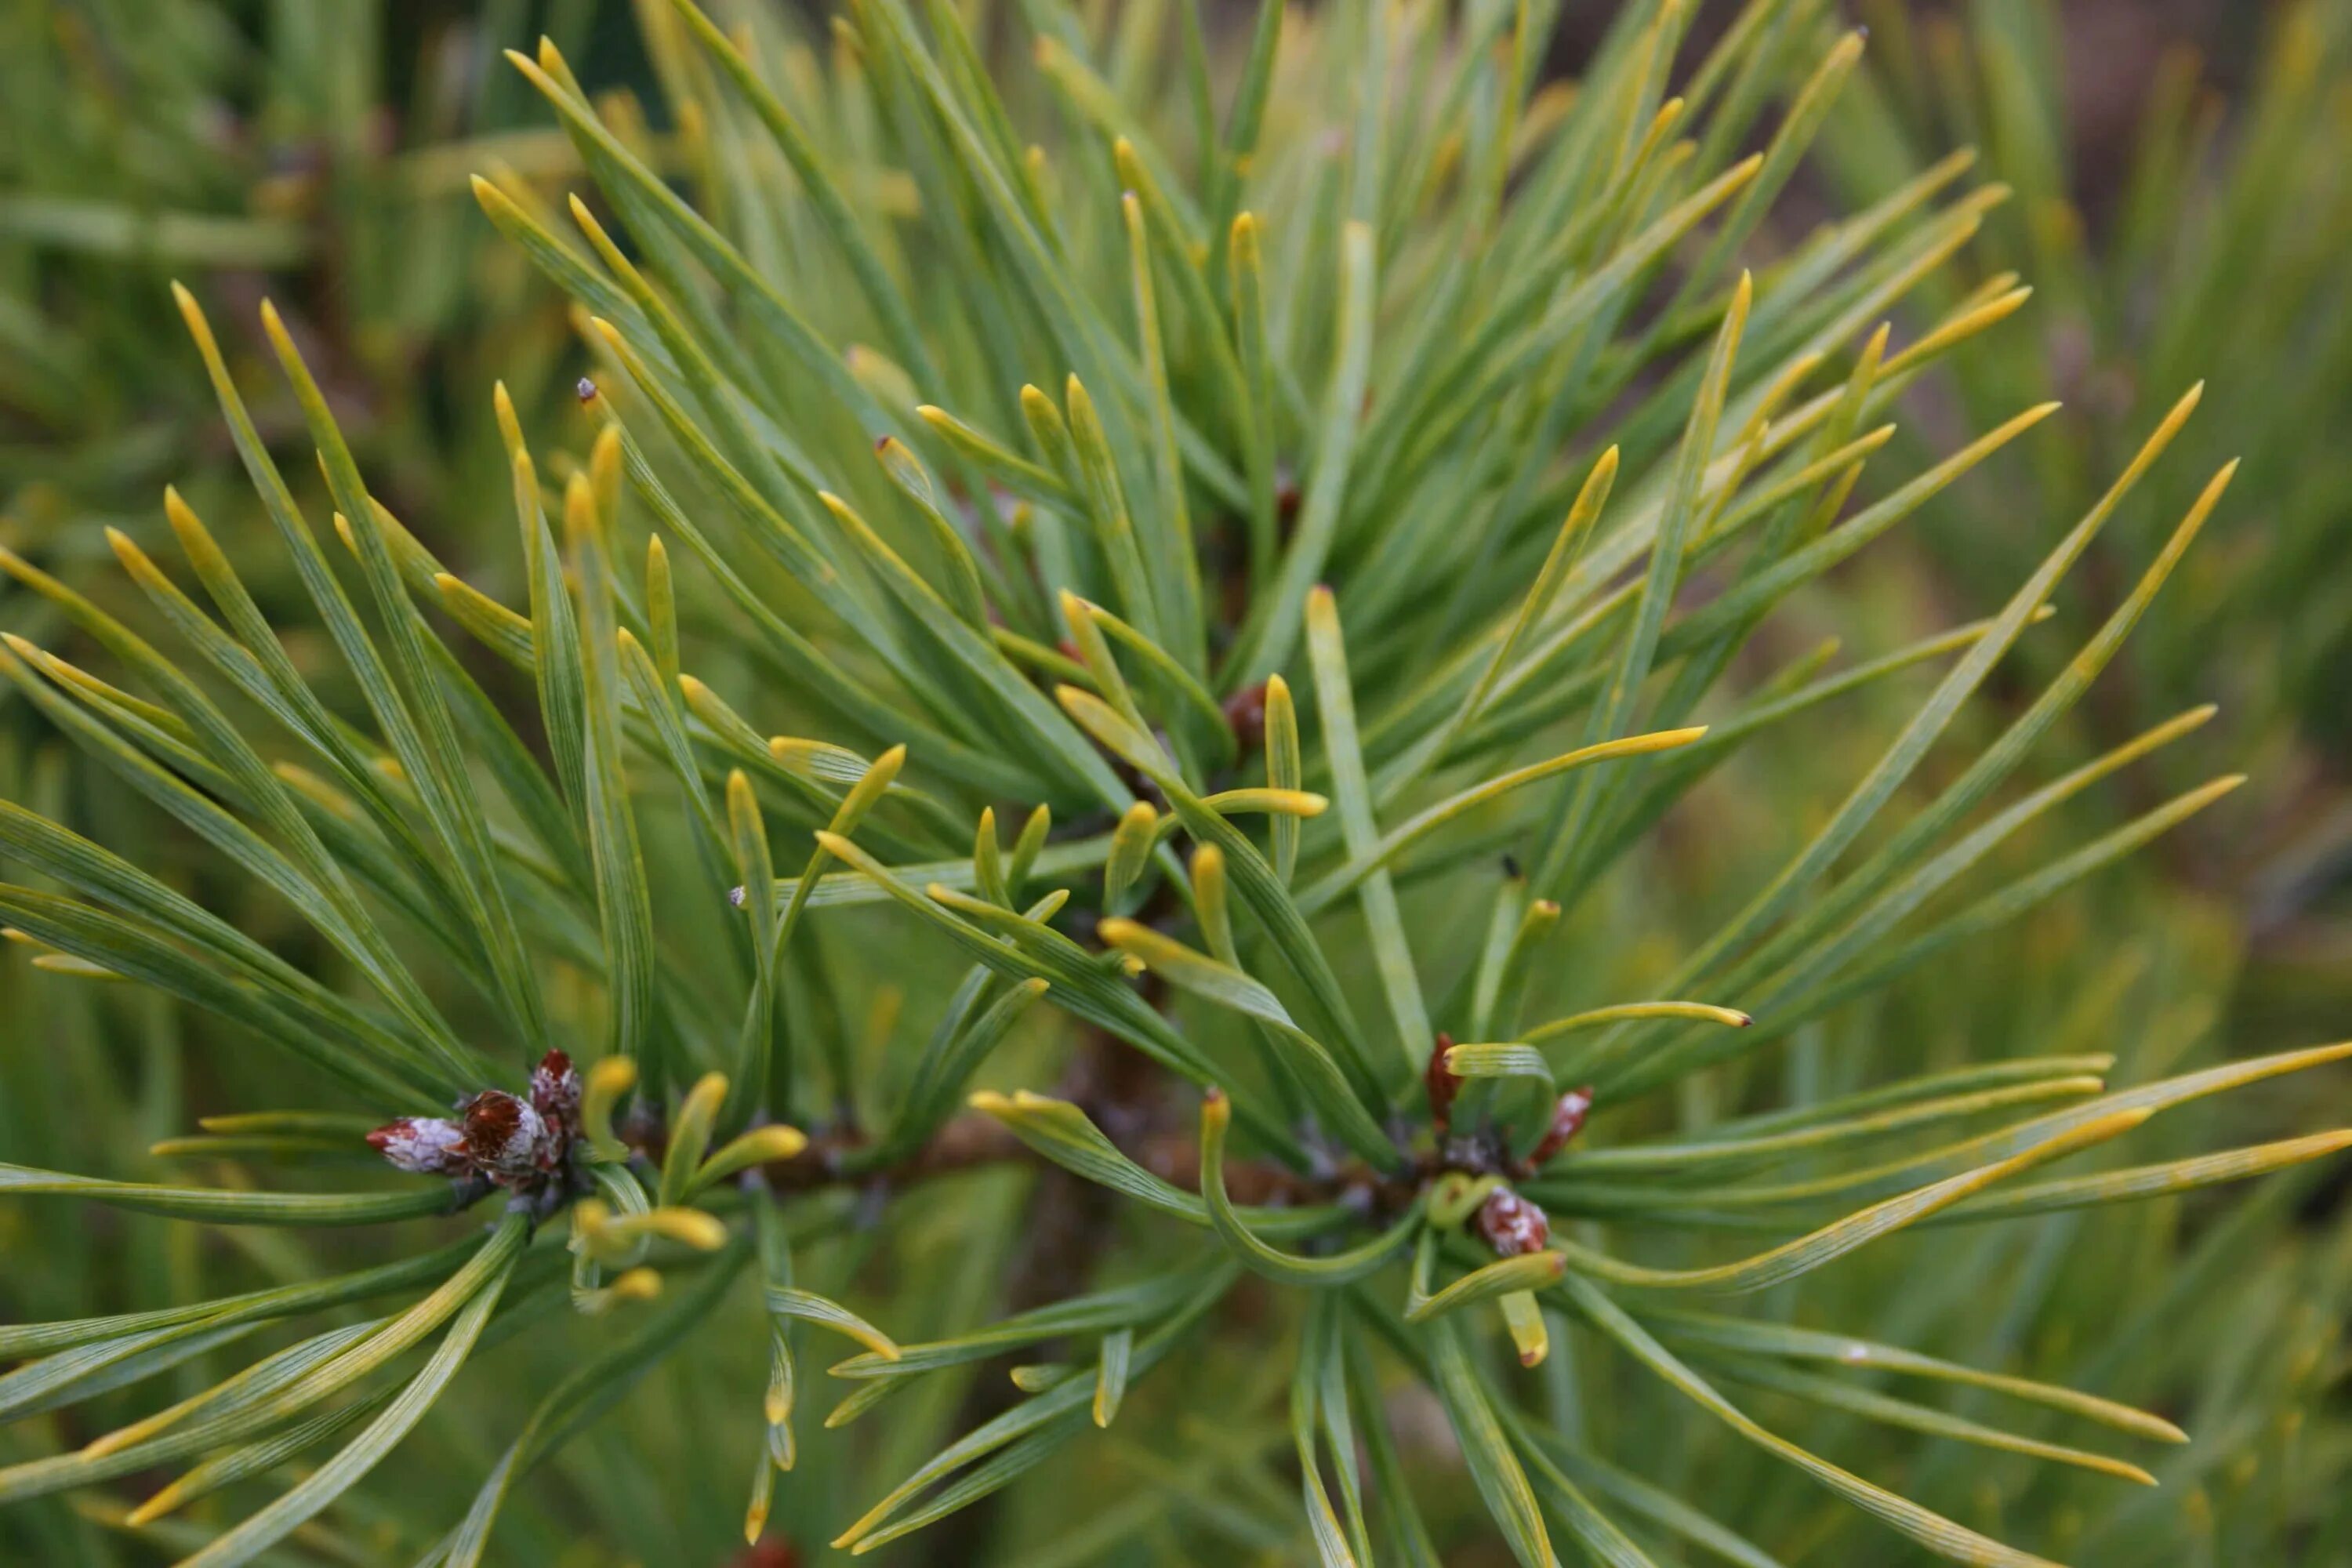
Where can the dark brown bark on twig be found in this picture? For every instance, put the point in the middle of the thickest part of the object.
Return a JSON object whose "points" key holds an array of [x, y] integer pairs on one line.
{"points": [[1069, 1221]]}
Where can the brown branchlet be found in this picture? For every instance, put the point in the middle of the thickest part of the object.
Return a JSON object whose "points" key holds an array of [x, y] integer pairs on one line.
{"points": [[1245, 713]]}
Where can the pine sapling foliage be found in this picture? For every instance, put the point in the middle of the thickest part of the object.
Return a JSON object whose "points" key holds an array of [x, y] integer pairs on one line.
{"points": [[1252, 536]]}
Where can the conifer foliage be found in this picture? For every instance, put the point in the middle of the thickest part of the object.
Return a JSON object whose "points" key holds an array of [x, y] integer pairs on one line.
{"points": [[1205, 567]]}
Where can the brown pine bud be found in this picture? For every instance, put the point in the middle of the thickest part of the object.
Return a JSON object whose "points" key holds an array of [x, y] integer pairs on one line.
{"points": [[1443, 1083], [555, 1095], [1511, 1225], [423, 1146], [1567, 1121], [504, 1135]]}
